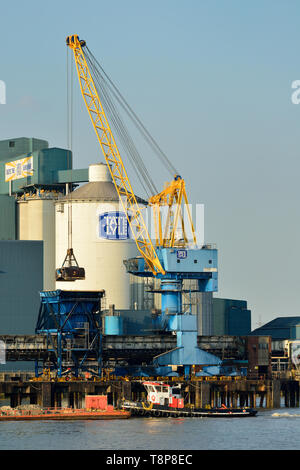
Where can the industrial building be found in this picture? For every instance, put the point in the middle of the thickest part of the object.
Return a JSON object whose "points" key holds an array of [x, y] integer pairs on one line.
{"points": [[21, 280], [230, 317], [284, 333], [92, 301], [33, 177], [38, 190]]}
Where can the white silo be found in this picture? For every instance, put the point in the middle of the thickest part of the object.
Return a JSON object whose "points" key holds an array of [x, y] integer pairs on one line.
{"points": [[36, 221], [100, 237]]}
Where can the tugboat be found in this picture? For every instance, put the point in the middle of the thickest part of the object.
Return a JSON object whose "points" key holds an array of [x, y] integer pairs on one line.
{"points": [[164, 400]]}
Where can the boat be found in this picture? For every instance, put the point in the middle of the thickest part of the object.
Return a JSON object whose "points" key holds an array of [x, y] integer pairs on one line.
{"points": [[164, 400]]}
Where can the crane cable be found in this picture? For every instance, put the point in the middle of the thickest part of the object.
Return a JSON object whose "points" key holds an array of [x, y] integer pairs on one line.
{"points": [[124, 137], [121, 131], [165, 160], [69, 144]]}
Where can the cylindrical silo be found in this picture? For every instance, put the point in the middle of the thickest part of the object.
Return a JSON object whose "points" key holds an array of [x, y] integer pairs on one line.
{"points": [[36, 221], [100, 237]]}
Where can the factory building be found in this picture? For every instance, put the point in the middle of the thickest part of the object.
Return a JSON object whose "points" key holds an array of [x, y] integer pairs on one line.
{"points": [[39, 199], [36, 197], [230, 317], [36, 190], [33, 176], [284, 333], [259, 356]]}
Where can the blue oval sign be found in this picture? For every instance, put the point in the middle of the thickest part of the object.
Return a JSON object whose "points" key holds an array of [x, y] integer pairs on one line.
{"points": [[113, 226], [181, 254]]}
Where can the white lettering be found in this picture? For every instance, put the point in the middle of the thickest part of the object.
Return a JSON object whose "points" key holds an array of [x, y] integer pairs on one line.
{"points": [[118, 460], [295, 95]]}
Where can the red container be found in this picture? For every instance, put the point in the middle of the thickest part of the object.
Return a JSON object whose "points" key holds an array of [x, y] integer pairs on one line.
{"points": [[96, 402]]}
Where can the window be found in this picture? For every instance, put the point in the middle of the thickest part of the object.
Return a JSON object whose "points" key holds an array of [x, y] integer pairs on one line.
{"points": [[165, 389], [158, 388], [11, 143]]}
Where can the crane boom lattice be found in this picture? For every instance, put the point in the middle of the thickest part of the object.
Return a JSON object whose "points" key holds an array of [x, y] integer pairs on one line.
{"points": [[112, 157]]}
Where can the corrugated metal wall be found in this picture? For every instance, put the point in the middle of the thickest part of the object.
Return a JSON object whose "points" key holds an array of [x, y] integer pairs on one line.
{"points": [[281, 328], [7, 218], [231, 317]]}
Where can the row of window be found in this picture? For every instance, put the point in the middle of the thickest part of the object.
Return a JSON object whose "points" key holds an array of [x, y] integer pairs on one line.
{"points": [[159, 388]]}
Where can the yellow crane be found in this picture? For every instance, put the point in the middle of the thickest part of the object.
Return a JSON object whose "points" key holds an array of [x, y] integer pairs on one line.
{"points": [[173, 195], [172, 260]]}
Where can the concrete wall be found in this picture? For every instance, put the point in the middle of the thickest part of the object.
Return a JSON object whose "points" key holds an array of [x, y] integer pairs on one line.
{"points": [[7, 217]]}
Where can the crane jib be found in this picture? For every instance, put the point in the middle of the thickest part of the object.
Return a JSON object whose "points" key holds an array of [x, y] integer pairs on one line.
{"points": [[112, 156]]}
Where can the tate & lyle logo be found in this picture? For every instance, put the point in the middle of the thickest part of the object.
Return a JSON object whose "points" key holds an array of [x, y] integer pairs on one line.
{"points": [[19, 168], [114, 226]]}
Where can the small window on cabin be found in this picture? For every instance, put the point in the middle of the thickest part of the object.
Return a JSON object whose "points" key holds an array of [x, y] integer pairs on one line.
{"points": [[152, 389], [158, 388], [11, 143], [210, 261], [165, 389]]}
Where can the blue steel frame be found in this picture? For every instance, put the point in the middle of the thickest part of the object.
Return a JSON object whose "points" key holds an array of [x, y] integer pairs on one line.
{"points": [[200, 264], [63, 317]]}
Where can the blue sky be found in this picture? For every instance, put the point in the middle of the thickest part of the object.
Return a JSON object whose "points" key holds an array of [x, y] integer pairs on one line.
{"points": [[212, 82]]}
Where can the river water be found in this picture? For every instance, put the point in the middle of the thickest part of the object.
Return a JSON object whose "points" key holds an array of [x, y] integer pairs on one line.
{"points": [[269, 430]]}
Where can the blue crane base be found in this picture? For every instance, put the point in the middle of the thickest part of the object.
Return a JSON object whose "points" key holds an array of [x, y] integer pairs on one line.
{"points": [[187, 352]]}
